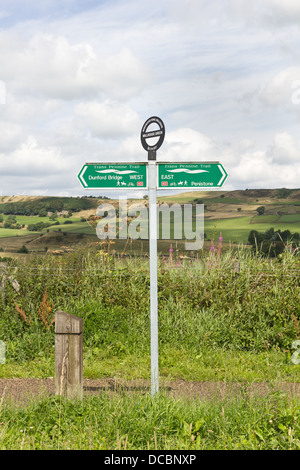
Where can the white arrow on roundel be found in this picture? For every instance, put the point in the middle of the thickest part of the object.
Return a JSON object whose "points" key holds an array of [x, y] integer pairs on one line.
{"points": [[223, 175], [81, 176]]}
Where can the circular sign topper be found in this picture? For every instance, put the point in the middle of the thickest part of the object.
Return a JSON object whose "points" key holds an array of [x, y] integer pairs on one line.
{"points": [[160, 133]]}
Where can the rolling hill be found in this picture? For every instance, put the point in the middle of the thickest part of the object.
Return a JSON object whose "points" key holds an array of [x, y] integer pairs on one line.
{"points": [[232, 213]]}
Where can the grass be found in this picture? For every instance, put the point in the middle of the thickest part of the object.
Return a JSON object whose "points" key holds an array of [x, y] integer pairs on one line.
{"points": [[213, 326], [75, 227], [263, 219], [237, 229], [137, 421], [7, 232], [27, 220], [234, 229], [214, 365], [290, 218]]}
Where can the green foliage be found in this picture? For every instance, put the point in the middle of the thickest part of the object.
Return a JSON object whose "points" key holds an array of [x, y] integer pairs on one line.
{"points": [[260, 210], [23, 249], [272, 243], [38, 227], [202, 304], [283, 193], [136, 421], [41, 206]]}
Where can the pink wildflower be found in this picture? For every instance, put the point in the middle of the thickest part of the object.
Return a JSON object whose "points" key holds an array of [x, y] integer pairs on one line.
{"points": [[171, 254], [220, 244]]}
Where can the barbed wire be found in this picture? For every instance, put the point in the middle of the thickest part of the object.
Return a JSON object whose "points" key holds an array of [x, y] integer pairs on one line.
{"points": [[132, 270]]}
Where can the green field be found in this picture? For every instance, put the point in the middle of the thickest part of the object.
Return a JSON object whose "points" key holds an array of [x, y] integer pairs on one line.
{"points": [[265, 219], [290, 218], [6, 232], [26, 220], [232, 213], [75, 227], [236, 230], [214, 326]]}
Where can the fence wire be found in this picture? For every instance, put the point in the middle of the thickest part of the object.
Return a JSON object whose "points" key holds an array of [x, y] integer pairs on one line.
{"points": [[125, 270]]}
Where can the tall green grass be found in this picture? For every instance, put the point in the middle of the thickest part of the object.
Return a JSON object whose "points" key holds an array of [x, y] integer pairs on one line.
{"points": [[135, 421], [203, 304], [214, 325]]}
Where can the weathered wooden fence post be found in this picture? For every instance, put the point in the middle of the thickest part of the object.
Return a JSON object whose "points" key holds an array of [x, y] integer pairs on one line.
{"points": [[68, 355]]}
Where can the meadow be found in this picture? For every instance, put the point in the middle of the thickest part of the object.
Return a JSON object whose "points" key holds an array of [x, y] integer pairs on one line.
{"points": [[214, 325]]}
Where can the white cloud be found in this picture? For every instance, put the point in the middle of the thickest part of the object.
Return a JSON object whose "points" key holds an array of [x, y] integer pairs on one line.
{"points": [[33, 160], [266, 13], [54, 67], [186, 144], [284, 150], [107, 119], [283, 12], [12, 135], [275, 166], [282, 88], [224, 79]]}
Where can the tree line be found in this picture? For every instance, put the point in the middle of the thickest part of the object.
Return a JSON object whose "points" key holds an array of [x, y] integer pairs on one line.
{"points": [[273, 242], [43, 206]]}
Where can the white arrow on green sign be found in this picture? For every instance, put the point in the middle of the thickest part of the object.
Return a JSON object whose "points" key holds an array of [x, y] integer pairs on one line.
{"points": [[113, 175], [190, 175]]}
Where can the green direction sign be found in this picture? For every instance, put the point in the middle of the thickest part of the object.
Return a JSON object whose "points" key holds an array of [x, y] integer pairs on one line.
{"points": [[114, 175], [190, 175]]}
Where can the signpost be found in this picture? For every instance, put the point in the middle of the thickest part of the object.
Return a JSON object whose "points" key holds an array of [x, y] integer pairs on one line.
{"points": [[190, 175], [114, 175], [152, 176], [145, 136], [151, 149]]}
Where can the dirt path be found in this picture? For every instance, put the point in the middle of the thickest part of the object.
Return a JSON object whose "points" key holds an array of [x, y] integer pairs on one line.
{"points": [[22, 390]]}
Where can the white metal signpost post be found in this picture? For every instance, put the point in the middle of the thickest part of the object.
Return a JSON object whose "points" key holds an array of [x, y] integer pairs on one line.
{"points": [[152, 176], [152, 181]]}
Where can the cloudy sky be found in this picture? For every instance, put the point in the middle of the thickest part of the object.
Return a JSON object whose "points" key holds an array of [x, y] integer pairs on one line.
{"points": [[78, 78]]}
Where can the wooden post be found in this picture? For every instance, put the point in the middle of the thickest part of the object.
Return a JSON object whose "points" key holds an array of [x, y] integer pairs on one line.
{"points": [[68, 355]]}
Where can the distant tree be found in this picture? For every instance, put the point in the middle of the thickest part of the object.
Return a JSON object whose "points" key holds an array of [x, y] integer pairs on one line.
{"points": [[269, 233], [260, 210], [255, 237], [42, 213], [286, 235], [23, 249], [11, 219], [271, 249]]}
